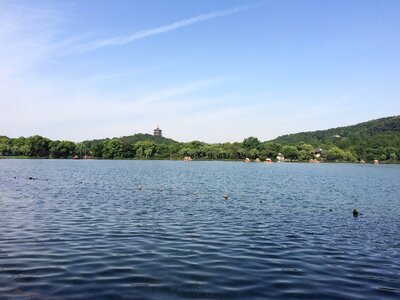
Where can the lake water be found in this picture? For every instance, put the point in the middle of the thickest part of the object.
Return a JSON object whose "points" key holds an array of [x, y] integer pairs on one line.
{"points": [[81, 229]]}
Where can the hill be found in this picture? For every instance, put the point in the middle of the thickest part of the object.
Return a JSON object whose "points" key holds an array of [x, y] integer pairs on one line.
{"points": [[140, 137], [376, 139], [127, 146], [366, 130]]}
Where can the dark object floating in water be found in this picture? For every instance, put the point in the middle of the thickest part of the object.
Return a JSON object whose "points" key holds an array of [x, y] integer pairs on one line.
{"points": [[33, 178], [356, 213], [226, 197], [330, 209]]}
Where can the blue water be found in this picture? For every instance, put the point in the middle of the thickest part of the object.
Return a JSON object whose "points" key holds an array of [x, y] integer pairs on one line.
{"points": [[81, 229]]}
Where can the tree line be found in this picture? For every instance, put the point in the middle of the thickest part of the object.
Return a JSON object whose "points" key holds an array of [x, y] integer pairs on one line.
{"points": [[381, 148]]}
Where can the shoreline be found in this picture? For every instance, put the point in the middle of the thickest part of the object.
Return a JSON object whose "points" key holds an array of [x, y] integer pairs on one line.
{"points": [[201, 160]]}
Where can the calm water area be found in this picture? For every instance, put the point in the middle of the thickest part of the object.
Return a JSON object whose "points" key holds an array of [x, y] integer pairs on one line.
{"points": [[82, 229]]}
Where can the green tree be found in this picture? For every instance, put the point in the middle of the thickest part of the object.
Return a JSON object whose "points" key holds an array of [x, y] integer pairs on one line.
{"points": [[162, 151], [335, 153], [24, 150], [290, 152], [96, 148], [145, 149], [253, 153], [186, 151], [38, 146], [270, 149], [139, 152], [251, 142], [116, 148], [61, 149], [4, 149], [393, 156]]}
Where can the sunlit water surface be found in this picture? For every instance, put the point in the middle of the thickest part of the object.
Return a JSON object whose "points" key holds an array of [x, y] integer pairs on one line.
{"points": [[81, 229]]}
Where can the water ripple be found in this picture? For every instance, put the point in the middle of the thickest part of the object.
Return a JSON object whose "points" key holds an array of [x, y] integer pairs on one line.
{"points": [[286, 231]]}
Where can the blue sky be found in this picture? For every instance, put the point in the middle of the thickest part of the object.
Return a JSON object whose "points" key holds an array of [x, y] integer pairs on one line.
{"points": [[214, 71]]}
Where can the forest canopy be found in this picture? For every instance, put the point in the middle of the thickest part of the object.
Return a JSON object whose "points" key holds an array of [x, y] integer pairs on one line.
{"points": [[376, 139]]}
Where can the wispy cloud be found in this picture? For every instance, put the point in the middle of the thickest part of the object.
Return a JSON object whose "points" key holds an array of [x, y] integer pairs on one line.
{"points": [[125, 39], [24, 37]]}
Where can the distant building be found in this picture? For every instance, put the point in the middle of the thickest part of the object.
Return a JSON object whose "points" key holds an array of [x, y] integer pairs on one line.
{"points": [[280, 157], [157, 131], [313, 160], [318, 152]]}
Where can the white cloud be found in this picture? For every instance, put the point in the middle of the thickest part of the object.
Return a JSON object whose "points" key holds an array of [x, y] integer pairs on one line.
{"points": [[125, 39]]}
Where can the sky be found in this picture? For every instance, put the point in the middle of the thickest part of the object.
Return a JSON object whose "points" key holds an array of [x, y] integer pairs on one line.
{"points": [[215, 71]]}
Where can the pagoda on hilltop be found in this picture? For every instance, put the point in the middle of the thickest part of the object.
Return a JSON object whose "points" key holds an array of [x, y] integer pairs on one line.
{"points": [[157, 131]]}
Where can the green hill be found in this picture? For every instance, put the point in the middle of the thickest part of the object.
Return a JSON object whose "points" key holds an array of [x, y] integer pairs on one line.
{"points": [[367, 140], [127, 146], [140, 137], [384, 126]]}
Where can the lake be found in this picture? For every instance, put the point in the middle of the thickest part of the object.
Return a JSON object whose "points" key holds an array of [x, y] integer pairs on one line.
{"points": [[82, 229]]}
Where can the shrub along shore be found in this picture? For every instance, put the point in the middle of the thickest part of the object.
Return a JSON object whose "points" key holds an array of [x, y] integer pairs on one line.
{"points": [[159, 149], [369, 141]]}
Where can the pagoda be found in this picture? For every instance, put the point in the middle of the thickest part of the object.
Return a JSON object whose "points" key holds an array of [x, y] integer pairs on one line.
{"points": [[157, 131]]}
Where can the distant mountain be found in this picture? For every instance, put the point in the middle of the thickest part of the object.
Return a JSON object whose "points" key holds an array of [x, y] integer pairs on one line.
{"points": [[140, 137], [376, 133]]}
